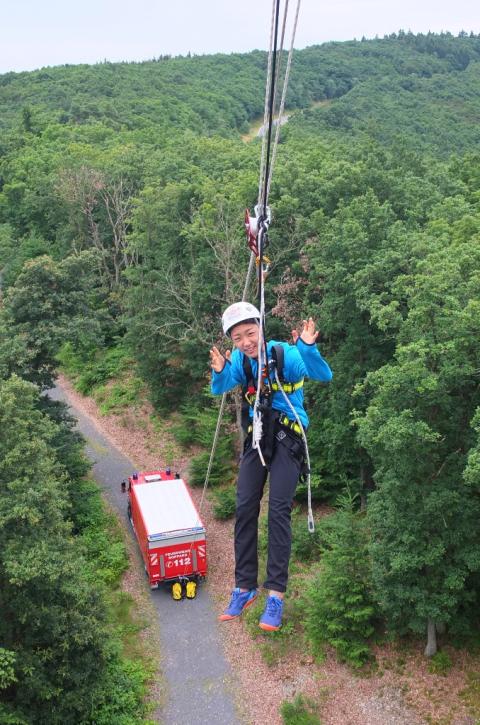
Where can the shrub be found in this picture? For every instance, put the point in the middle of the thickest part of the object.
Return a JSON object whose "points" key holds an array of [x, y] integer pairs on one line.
{"points": [[203, 424], [184, 429], [222, 471], [301, 711], [317, 486], [123, 394], [440, 664], [92, 368], [225, 503], [305, 546], [7, 668]]}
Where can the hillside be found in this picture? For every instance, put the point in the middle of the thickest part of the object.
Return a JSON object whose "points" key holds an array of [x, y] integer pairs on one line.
{"points": [[438, 114], [224, 92]]}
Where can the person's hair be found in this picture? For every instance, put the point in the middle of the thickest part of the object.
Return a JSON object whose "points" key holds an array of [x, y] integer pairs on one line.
{"points": [[250, 321]]}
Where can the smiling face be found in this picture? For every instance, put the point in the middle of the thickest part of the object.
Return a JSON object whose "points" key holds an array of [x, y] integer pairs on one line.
{"points": [[245, 338]]}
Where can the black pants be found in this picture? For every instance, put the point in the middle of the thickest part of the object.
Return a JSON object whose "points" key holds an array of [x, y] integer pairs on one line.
{"points": [[285, 470]]}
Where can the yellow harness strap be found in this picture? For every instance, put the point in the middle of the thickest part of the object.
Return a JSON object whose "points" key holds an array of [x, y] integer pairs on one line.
{"points": [[289, 387], [293, 425], [285, 421]]}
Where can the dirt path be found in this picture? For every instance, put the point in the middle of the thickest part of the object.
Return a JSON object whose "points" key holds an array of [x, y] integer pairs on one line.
{"points": [[399, 690], [257, 129]]}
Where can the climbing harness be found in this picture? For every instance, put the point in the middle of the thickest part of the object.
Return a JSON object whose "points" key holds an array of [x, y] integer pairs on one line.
{"points": [[250, 388]]}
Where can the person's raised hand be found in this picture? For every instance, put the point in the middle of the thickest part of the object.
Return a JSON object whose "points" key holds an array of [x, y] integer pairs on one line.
{"points": [[217, 360], [309, 333]]}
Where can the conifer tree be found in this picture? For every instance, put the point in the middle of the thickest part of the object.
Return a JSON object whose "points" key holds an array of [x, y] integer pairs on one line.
{"points": [[340, 609]]}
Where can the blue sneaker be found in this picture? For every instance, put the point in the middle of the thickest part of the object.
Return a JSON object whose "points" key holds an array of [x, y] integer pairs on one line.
{"points": [[271, 619], [238, 602]]}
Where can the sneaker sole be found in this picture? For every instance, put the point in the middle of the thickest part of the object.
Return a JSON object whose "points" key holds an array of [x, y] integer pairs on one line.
{"points": [[228, 617], [269, 627]]}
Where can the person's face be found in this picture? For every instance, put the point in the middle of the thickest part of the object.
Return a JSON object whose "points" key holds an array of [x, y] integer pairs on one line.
{"points": [[245, 338]]}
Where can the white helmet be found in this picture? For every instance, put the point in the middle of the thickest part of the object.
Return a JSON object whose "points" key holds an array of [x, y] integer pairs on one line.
{"points": [[238, 312]]}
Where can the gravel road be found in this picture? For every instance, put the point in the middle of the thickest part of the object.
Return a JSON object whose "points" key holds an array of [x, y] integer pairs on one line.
{"points": [[199, 679]]}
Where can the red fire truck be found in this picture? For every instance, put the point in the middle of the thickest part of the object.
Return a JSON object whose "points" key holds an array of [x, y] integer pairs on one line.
{"points": [[169, 531]]}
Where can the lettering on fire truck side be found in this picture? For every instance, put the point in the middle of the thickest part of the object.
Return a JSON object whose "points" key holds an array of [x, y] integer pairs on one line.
{"points": [[176, 559], [174, 554]]}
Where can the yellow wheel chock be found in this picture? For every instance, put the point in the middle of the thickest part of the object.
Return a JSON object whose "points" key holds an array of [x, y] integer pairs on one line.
{"points": [[191, 590], [177, 590]]}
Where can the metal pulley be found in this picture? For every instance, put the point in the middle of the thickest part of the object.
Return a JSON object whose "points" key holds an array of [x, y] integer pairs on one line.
{"points": [[255, 224]]}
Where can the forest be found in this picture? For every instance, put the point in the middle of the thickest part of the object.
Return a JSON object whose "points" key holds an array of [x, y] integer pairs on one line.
{"points": [[122, 194]]}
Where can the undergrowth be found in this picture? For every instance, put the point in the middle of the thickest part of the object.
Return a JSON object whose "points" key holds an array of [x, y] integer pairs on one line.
{"points": [[300, 711], [106, 374], [92, 368], [471, 694], [224, 503], [196, 426], [440, 664]]}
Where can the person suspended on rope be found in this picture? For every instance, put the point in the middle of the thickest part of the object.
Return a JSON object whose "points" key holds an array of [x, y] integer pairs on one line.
{"points": [[241, 322]]}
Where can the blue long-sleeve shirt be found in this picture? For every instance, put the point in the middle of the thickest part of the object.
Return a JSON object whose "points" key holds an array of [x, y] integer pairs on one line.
{"points": [[300, 361]]}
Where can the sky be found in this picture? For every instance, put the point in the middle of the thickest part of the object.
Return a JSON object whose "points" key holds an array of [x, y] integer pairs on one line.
{"points": [[38, 33]]}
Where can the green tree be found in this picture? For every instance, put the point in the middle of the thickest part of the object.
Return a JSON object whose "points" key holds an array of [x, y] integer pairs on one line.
{"points": [[339, 606], [48, 304], [60, 662], [52, 620], [472, 469], [425, 542]]}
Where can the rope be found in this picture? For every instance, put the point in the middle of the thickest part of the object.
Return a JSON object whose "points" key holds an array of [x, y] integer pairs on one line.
{"points": [[262, 343], [257, 428], [262, 192], [249, 274], [265, 112], [265, 183], [282, 38], [214, 445], [270, 110], [279, 56], [284, 95]]}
